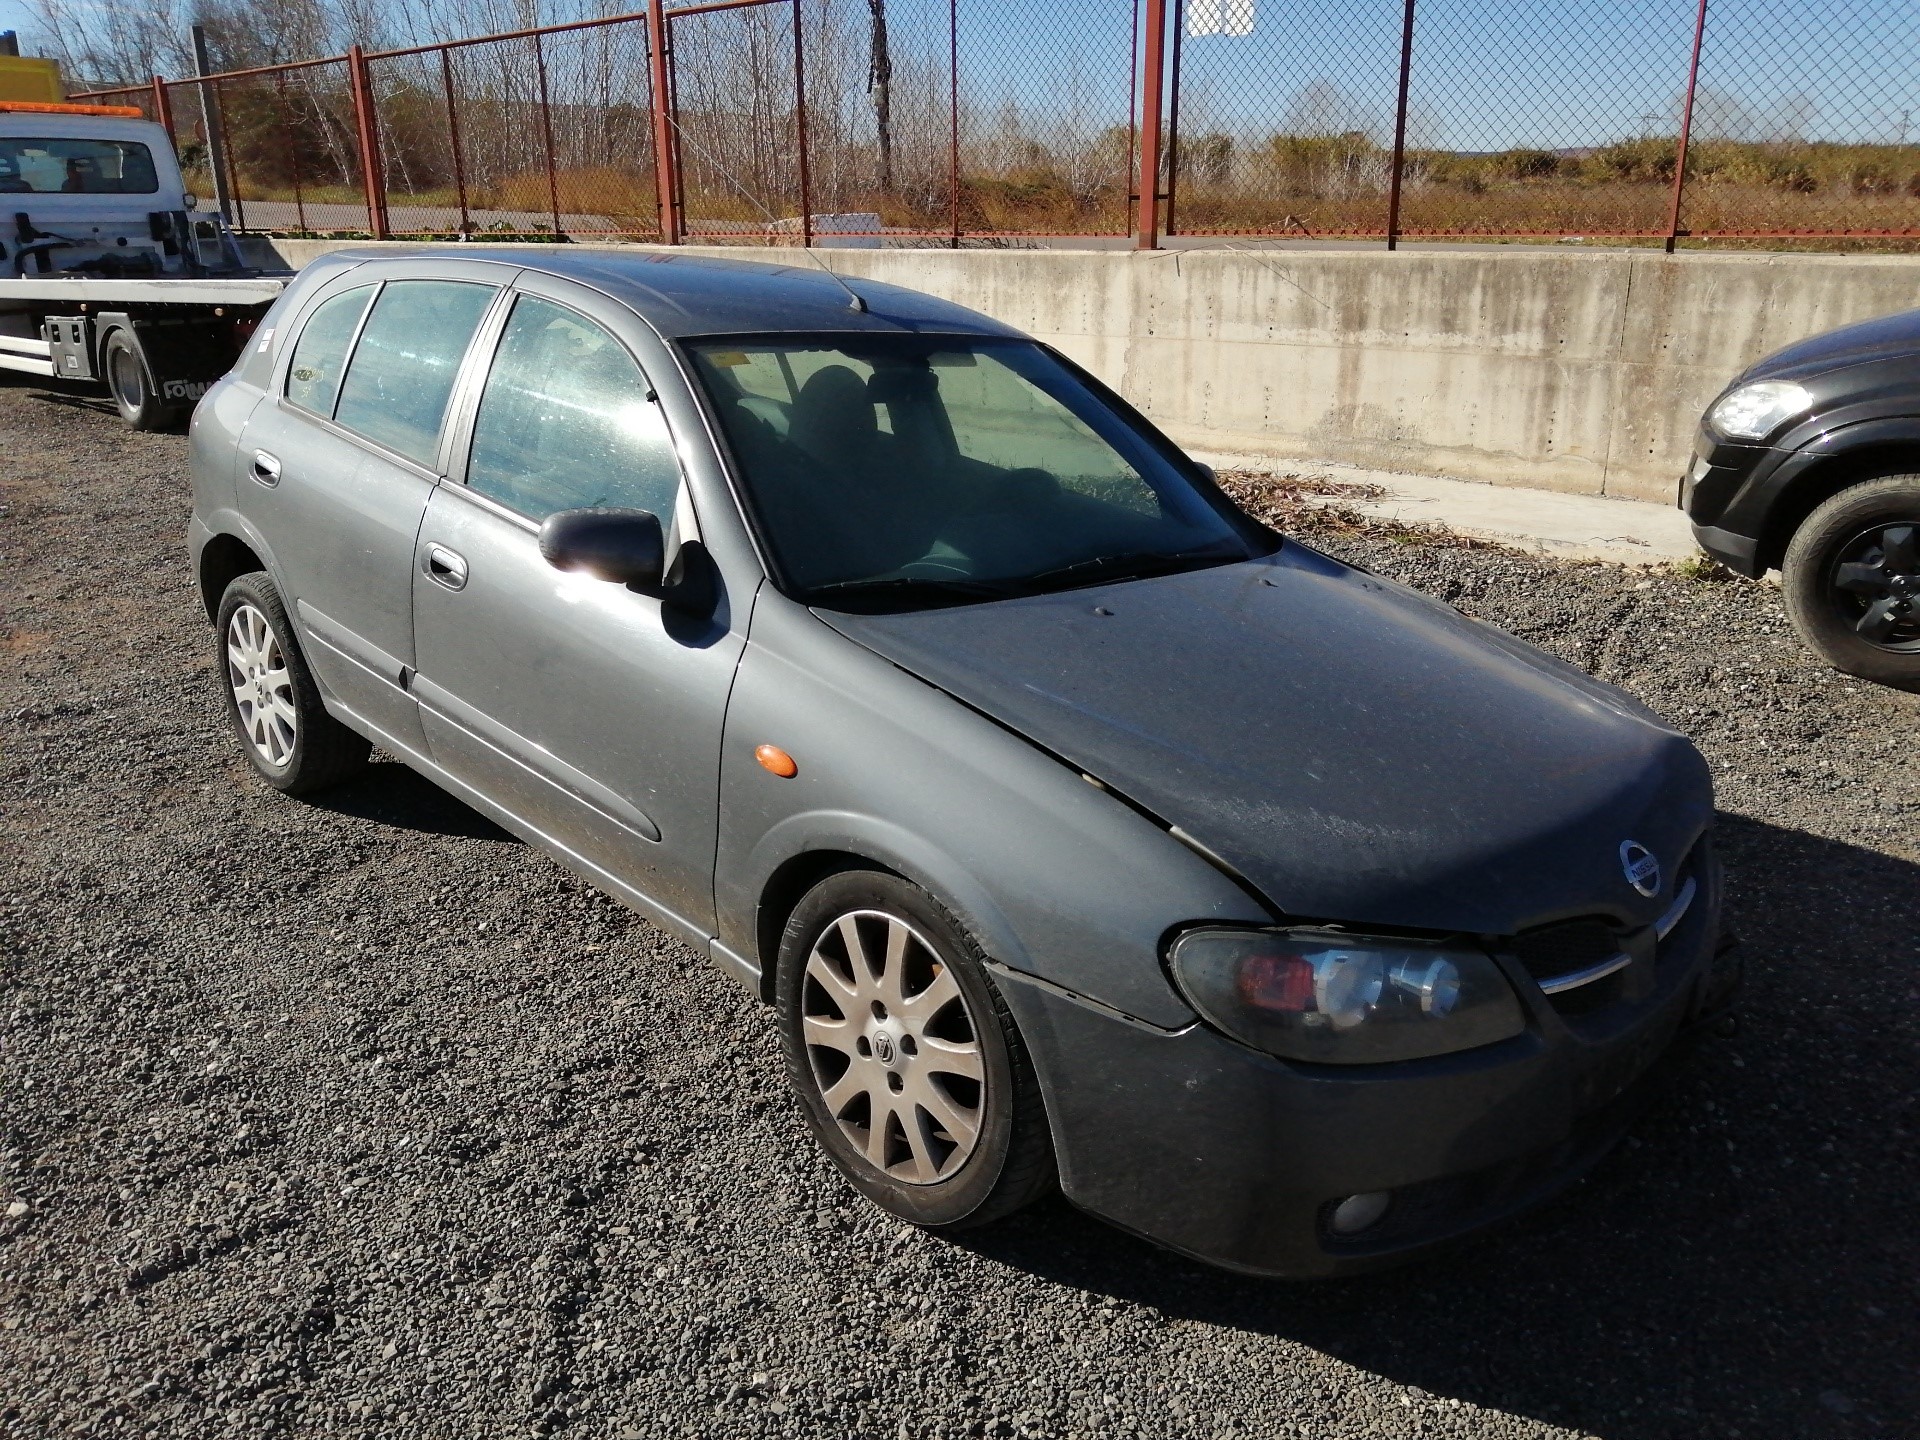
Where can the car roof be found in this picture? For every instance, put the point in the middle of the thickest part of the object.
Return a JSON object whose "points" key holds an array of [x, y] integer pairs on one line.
{"points": [[683, 296]]}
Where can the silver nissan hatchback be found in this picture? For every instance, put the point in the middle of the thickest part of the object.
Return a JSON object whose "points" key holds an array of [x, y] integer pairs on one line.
{"points": [[1079, 829]]}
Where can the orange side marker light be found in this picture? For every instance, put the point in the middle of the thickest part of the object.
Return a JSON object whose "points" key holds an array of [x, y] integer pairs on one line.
{"points": [[776, 760]]}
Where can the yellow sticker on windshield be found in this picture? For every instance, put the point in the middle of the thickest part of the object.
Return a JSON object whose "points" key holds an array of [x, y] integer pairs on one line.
{"points": [[729, 358]]}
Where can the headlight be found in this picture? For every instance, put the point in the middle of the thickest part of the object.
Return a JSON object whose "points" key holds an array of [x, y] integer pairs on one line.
{"points": [[1755, 411], [1344, 999]]}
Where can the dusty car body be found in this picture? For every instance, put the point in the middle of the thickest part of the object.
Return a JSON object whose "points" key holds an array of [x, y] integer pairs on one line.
{"points": [[1132, 794]]}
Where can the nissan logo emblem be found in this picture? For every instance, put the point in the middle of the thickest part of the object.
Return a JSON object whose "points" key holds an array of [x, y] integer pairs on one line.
{"points": [[1641, 867]]}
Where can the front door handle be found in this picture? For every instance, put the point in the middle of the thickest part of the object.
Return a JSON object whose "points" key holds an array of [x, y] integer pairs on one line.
{"points": [[266, 468], [445, 568]]}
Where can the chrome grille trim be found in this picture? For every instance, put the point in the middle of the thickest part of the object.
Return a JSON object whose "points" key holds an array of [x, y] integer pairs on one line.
{"points": [[1574, 979], [1677, 911]]}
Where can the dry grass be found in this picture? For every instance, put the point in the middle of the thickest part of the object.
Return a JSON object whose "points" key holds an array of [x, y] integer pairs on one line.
{"points": [[1299, 504]]}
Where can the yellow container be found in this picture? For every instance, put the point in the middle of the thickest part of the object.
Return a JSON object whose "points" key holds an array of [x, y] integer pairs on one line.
{"points": [[34, 81]]}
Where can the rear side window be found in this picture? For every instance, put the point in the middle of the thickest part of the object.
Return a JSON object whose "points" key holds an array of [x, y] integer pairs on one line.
{"points": [[565, 421], [403, 369], [320, 356]]}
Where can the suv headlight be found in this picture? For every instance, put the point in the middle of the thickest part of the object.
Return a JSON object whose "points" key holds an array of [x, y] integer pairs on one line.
{"points": [[1344, 999], [1755, 411]]}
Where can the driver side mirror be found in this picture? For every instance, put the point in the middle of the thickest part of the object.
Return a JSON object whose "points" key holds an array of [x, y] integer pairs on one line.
{"points": [[623, 546]]}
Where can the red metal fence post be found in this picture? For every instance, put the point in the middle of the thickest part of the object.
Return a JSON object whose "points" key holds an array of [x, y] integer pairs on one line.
{"points": [[1400, 131], [1173, 114], [1674, 232], [163, 109], [953, 131], [1153, 81], [800, 128], [665, 182], [371, 179], [546, 132], [453, 141]]}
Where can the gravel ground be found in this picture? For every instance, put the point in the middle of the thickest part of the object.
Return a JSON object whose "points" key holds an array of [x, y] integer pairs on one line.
{"points": [[360, 1119]]}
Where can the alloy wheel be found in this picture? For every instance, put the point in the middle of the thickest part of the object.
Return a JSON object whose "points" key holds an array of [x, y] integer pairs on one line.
{"points": [[262, 688], [1876, 585], [893, 1046]]}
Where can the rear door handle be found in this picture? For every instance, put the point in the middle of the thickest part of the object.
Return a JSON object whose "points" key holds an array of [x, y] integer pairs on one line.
{"points": [[266, 468], [446, 568]]}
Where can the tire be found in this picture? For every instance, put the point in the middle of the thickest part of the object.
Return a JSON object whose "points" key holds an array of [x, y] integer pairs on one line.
{"points": [[275, 708], [943, 1022], [1851, 578], [124, 369]]}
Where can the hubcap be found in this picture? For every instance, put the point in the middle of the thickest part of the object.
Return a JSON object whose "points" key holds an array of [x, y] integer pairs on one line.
{"points": [[893, 1046], [1876, 585], [127, 381], [262, 689]]}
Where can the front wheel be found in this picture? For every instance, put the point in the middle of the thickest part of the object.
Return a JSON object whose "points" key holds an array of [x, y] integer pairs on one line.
{"points": [[1851, 580], [909, 1069], [132, 387]]}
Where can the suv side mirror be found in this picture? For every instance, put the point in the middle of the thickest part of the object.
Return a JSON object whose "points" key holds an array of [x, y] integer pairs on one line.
{"points": [[624, 546]]}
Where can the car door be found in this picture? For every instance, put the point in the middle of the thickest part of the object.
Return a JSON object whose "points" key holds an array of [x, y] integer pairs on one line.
{"points": [[339, 463], [590, 711]]}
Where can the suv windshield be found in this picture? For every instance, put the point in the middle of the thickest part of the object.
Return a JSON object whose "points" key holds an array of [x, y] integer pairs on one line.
{"points": [[33, 166], [899, 471]]}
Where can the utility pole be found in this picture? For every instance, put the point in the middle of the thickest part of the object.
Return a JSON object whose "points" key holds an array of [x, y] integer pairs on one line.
{"points": [[880, 86], [210, 126]]}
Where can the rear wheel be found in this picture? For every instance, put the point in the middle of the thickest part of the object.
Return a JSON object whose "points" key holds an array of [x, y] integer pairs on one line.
{"points": [[908, 1067], [1851, 579], [126, 374], [283, 725]]}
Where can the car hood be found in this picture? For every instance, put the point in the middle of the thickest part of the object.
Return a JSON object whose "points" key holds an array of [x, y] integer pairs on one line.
{"points": [[1890, 337], [1355, 750]]}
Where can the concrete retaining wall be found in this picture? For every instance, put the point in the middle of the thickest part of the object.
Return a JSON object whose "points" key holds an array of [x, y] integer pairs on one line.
{"points": [[1580, 371]]}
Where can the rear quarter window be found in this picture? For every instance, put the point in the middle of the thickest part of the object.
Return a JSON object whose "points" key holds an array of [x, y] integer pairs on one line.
{"points": [[320, 354]]}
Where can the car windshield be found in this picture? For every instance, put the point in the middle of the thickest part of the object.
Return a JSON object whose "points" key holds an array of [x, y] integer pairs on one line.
{"points": [[33, 166], [904, 471]]}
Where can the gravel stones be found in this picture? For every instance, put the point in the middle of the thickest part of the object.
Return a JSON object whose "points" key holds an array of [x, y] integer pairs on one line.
{"points": [[357, 1118]]}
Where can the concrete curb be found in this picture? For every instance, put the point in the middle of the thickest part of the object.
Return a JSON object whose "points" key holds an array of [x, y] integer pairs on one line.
{"points": [[1548, 522]]}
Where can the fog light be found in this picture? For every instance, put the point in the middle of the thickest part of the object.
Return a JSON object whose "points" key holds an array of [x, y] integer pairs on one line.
{"points": [[1357, 1212]]}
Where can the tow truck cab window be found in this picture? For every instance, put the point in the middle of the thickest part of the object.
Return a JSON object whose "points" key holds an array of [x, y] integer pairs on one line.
{"points": [[30, 165]]}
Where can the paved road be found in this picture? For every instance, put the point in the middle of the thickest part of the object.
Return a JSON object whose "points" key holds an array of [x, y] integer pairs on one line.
{"points": [[358, 1119]]}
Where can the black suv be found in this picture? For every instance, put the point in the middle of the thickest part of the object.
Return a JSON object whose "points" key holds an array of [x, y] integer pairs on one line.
{"points": [[1809, 462]]}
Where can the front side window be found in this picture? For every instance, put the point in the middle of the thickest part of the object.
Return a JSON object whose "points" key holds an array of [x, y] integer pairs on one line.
{"points": [[320, 355], [900, 470], [33, 166], [402, 371], [565, 421]]}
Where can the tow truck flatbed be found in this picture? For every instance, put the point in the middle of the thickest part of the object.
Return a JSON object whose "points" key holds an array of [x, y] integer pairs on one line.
{"points": [[96, 290]]}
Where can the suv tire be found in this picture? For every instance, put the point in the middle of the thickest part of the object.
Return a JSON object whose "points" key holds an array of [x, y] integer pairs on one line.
{"points": [[275, 708], [885, 1003], [1851, 579]]}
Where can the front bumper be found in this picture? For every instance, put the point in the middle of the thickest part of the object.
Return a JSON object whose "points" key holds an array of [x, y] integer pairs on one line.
{"points": [[1236, 1158]]}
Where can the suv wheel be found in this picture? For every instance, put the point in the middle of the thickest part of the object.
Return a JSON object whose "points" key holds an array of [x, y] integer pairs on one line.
{"points": [[1852, 580], [908, 1067], [126, 375], [284, 728]]}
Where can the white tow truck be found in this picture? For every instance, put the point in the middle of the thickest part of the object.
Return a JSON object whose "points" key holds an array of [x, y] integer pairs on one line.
{"points": [[109, 275]]}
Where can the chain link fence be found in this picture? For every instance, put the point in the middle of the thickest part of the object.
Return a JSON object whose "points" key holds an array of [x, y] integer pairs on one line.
{"points": [[901, 122]]}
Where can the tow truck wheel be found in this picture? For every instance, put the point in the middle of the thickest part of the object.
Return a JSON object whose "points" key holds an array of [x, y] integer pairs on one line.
{"points": [[132, 387]]}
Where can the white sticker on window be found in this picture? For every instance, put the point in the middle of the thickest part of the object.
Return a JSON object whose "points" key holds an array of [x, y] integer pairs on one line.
{"points": [[266, 339]]}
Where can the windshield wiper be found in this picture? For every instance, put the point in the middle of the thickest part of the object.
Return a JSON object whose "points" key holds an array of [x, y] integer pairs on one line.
{"points": [[1123, 565], [912, 588]]}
